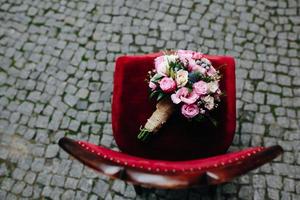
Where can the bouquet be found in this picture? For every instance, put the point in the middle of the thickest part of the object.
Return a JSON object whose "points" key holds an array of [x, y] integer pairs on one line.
{"points": [[183, 79]]}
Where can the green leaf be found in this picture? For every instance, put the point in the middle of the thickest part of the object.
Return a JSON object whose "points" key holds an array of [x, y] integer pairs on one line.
{"points": [[172, 73], [155, 92], [160, 96], [199, 118], [213, 121], [156, 77]]}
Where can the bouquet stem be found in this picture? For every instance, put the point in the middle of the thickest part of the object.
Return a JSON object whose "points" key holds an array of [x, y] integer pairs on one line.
{"points": [[164, 110]]}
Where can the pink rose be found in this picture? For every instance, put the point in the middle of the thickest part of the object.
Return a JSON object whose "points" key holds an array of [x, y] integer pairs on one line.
{"points": [[190, 111], [183, 95], [167, 85], [200, 88], [185, 56], [161, 65], [185, 53], [152, 85]]}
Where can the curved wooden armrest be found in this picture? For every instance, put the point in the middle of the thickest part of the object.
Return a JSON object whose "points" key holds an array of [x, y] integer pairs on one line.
{"points": [[169, 174]]}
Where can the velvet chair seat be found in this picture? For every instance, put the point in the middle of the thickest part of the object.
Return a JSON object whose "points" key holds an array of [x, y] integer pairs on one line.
{"points": [[182, 154]]}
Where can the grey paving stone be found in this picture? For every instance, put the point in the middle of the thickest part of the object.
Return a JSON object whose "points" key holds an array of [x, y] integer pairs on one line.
{"points": [[38, 164], [7, 184], [119, 186], [18, 187], [58, 181], [30, 177], [27, 192], [273, 193], [26, 108], [273, 99], [18, 174], [81, 195], [44, 178], [42, 121], [289, 185], [3, 170], [68, 194], [76, 170], [70, 100], [85, 184], [74, 125], [82, 93], [52, 151], [71, 183], [100, 188]]}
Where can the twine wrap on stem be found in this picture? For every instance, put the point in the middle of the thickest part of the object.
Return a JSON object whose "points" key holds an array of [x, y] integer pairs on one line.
{"points": [[164, 109]]}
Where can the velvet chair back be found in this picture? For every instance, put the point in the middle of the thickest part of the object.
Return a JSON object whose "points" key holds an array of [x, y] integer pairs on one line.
{"points": [[178, 139]]}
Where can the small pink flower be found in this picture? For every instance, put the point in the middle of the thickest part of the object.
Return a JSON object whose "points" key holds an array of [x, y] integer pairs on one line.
{"points": [[200, 88], [152, 86], [206, 61], [167, 85], [197, 55], [183, 95], [212, 71], [198, 68], [161, 65], [190, 111], [217, 95]]}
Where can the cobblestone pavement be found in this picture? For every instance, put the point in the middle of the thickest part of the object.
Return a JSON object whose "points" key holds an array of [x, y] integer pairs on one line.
{"points": [[56, 70]]}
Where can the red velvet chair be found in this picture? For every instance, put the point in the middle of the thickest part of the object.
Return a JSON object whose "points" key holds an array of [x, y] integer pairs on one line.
{"points": [[182, 154]]}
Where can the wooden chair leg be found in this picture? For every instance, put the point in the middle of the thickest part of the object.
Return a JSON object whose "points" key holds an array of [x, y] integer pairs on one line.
{"points": [[138, 189]]}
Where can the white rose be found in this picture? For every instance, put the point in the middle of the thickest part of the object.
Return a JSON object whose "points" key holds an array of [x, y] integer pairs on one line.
{"points": [[162, 65], [213, 86], [209, 102], [181, 78]]}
